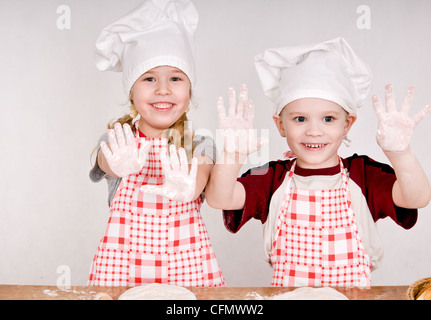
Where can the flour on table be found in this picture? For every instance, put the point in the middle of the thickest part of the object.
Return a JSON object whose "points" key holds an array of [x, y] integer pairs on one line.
{"points": [[50, 293], [255, 296], [308, 293], [157, 291]]}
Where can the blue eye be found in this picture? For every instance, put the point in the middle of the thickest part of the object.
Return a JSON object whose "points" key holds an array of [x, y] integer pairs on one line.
{"points": [[149, 79], [300, 119], [328, 119]]}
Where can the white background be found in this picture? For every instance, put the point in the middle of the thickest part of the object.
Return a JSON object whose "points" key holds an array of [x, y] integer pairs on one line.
{"points": [[55, 104]]}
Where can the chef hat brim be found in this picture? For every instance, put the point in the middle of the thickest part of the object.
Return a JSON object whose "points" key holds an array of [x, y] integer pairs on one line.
{"points": [[329, 70]]}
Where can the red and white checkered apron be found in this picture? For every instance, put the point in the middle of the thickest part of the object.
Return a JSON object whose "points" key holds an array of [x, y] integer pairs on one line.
{"points": [[316, 241], [150, 238]]}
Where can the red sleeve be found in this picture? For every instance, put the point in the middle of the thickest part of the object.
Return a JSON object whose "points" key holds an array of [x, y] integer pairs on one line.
{"points": [[376, 181], [259, 184]]}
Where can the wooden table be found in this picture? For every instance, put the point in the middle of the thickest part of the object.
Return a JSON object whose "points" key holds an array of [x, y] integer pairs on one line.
{"points": [[25, 292]]}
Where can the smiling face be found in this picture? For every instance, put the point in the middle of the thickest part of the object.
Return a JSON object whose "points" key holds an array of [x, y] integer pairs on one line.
{"points": [[161, 96], [314, 129]]}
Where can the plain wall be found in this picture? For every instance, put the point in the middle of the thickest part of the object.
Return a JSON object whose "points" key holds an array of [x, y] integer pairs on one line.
{"points": [[55, 105]]}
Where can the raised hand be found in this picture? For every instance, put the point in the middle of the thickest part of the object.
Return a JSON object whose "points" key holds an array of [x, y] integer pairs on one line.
{"points": [[395, 127], [237, 126], [179, 184], [123, 156]]}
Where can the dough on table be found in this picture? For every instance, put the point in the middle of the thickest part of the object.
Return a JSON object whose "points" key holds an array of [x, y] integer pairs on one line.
{"points": [[308, 293], [157, 291]]}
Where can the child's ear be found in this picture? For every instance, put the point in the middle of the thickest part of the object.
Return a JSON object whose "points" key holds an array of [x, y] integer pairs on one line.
{"points": [[279, 124], [350, 120]]}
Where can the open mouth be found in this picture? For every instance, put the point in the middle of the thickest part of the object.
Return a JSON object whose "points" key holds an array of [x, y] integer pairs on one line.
{"points": [[314, 146], [162, 105]]}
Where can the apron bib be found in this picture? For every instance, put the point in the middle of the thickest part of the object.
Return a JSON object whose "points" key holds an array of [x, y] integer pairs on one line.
{"points": [[316, 241], [151, 239]]}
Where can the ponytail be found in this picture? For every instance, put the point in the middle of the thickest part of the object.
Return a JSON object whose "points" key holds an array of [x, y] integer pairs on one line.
{"points": [[181, 135]]}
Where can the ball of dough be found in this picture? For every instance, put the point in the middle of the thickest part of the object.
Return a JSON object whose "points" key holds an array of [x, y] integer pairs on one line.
{"points": [[157, 291]]}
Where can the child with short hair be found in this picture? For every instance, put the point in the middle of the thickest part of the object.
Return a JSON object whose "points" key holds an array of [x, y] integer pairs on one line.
{"points": [[155, 233], [319, 210]]}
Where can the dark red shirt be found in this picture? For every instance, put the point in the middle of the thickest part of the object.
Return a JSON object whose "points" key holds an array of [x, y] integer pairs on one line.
{"points": [[375, 179]]}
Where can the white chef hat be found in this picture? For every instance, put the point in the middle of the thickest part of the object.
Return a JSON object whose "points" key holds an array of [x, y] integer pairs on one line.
{"points": [[157, 33], [329, 70]]}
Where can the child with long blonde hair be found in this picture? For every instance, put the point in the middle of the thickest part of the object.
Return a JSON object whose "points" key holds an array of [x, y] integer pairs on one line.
{"points": [[155, 233]]}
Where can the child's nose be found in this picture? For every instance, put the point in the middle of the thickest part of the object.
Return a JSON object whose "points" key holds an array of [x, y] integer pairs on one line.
{"points": [[313, 129], [163, 88]]}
